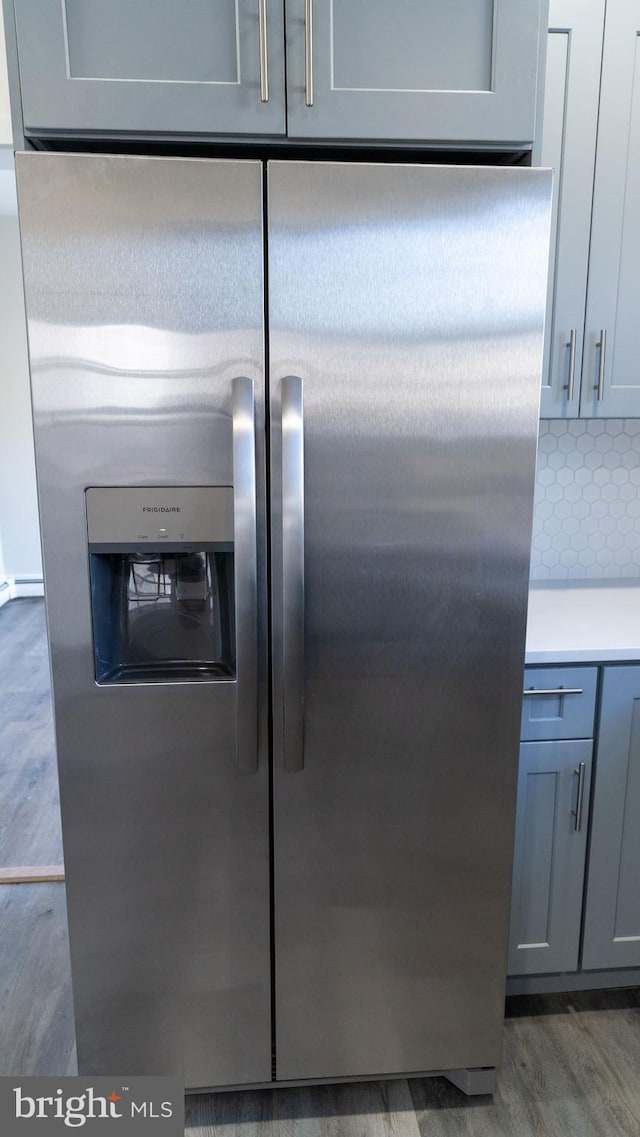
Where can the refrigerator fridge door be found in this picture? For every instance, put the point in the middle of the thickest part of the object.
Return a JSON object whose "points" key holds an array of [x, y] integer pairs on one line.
{"points": [[145, 308], [406, 317]]}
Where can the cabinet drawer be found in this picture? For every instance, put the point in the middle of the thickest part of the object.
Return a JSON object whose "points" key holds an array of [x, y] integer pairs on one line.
{"points": [[558, 702]]}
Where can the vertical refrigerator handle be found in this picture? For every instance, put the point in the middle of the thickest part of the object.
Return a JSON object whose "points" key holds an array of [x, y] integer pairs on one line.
{"points": [[245, 563], [293, 571]]}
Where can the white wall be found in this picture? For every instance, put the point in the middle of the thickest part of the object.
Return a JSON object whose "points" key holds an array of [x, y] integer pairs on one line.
{"points": [[19, 536], [5, 116], [2, 576], [18, 503]]}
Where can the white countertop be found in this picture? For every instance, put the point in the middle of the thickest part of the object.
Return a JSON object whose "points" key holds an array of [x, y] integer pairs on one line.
{"points": [[576, 623]]}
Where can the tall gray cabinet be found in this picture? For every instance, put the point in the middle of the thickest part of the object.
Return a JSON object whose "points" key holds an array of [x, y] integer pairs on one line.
{"points": [[591, 135], [611, 367], [568, 145], [455, 71]]}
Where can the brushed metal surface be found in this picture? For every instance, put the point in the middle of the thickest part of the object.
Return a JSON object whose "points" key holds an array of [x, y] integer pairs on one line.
{"points": [[410, 302], [143, 283]]}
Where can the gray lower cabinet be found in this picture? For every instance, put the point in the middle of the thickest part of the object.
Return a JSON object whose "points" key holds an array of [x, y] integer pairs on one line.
{"points": [[554, 785], [591, 135], [450, 70], [612, 914], [151, 66], [453, 71], [549, 856]]}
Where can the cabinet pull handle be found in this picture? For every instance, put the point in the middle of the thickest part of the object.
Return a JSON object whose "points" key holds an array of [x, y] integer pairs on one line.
{"points": [[577, 812], [553, 691], [308, 53], [264, 60], [570, 385], [602, 344]]}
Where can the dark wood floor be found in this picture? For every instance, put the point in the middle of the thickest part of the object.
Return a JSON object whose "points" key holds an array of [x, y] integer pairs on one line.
{"points": [[571, 1068], [30, 831], [571, 1062], [36, 1013]]}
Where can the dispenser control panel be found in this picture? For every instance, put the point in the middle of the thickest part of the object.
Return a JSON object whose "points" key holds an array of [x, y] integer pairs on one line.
{"points": [[155, 516]]}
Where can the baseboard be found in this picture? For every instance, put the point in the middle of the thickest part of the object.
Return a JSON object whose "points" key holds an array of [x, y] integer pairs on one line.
{"points": [[573, 981], [32, 874], [18, 587], [27, 586]]}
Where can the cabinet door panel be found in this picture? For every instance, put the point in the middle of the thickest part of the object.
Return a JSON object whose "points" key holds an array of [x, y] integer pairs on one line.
{"points": [[149, 66], [549, 857], [433, 56], [568, 144], [614, 269], [464, 70], [612, 916]]}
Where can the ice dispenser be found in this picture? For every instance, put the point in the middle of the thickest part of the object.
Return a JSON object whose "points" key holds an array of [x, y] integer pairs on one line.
{"points": [[162, 583]]}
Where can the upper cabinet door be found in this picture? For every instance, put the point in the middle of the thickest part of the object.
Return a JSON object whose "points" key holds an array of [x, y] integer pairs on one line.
{"points": [[449, 70], [611, 370], [152, 66], [567, 143]]}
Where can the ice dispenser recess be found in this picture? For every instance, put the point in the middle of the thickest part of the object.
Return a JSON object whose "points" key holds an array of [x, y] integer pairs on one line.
{"points": [[162, 583]]}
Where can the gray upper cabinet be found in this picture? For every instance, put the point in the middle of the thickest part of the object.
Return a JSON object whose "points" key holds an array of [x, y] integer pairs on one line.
{"points": [[611, 370], [449, 70], [549, 856], [436, 71], [591, 135], [568, 143], [151, 66], [612, 914]]}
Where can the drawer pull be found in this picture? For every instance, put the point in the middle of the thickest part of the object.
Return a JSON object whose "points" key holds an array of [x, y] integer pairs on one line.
{"points": [[602, 344], [553, 691], [569, 387], [577, 812]]}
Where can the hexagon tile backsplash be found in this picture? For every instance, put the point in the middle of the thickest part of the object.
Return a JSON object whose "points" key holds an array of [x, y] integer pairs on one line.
{"points": [[587, 505]]}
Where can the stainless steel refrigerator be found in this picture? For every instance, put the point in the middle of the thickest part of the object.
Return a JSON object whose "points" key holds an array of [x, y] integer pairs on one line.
{"points": [[285, 424]]}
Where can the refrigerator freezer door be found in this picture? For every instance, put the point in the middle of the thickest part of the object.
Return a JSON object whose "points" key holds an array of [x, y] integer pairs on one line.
{"points": [[406, 316], [145, 309]]}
